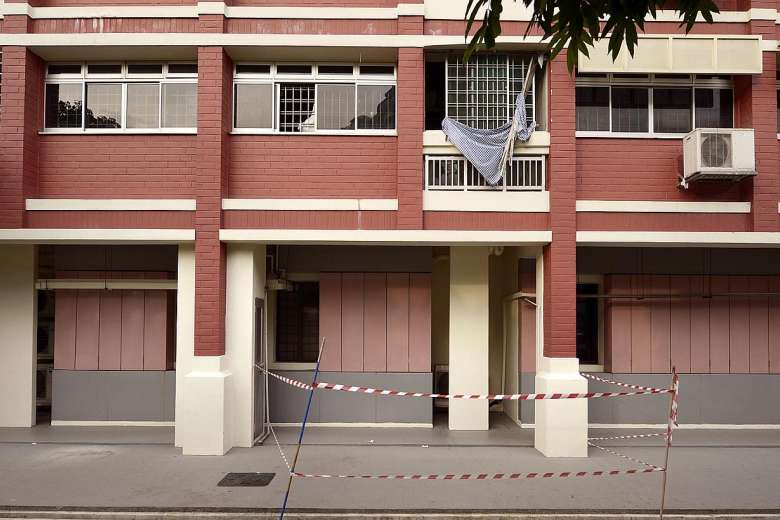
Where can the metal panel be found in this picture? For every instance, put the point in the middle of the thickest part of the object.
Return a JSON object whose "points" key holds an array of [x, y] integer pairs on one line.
{"points": [[155, 329], [641, 327], [774, 326], [719, 326], [660, 318], [420, 322], [700, 328], [739, 326], [375, 323], [133, 330], [680, 324], [330, 320], [110, 330], [398, 322], [619, 328], [352, 322], [65, 330]]}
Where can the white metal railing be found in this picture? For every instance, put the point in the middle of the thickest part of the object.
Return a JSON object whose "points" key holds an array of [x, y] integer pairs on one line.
{"points": [[455, 173]]}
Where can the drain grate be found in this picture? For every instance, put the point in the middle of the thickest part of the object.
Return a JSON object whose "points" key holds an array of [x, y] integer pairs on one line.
{"points": [[246, 480]]}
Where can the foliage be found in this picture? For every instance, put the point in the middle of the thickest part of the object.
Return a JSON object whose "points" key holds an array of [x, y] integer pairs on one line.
{"points": [[577, 24]]}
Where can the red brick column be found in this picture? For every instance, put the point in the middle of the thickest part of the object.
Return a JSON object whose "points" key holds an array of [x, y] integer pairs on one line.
{"points": [[756, 100], [411, 124], [20, 119], [215, 71], [560, 257]]}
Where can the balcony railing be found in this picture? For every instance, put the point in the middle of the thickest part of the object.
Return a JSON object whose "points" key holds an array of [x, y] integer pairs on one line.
{"points": [[455, 173]]}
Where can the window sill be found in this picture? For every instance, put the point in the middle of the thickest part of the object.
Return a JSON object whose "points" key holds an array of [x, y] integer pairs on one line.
{"points": [[167, 131], [361, 133], [627, 135], [292, 366]]}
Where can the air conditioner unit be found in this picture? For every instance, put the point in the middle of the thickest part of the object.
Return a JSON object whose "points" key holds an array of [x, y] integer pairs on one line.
{"points": [[718, 154]]}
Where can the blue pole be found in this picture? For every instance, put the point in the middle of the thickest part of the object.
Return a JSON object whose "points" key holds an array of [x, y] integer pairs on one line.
{"points": [[303, 429]]}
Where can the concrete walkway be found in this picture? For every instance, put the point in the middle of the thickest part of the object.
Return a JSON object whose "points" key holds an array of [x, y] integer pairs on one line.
{"points": [[717, 469]]}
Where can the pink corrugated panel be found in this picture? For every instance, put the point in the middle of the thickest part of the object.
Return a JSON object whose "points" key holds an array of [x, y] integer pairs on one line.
{"points": [[65, 330], [680, 323], [700, 326], [618, 345], [758, 361], [132, 330], [397, 322], [739, 326], [720, 325], [155, 329], [527, 325], [375, 323], [420, 322], [110, 357], [330, 320], [774, 326], [352, 322], [87, 329], [641, 326], [661, 325]]}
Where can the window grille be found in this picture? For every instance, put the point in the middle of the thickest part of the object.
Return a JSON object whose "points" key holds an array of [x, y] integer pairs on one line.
{"points": [[296, 107], [482, 92]]}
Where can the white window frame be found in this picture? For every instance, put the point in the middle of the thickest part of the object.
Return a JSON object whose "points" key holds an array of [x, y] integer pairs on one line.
{"points": [[651, 81], [124, 78], [274, 78], [510, 99]]}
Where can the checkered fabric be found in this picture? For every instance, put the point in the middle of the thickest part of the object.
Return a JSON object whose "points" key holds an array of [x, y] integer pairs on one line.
{"points": [[484, 148]]}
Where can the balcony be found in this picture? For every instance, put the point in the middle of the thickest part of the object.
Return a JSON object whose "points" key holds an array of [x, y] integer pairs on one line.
{"points": [[451, 183]]}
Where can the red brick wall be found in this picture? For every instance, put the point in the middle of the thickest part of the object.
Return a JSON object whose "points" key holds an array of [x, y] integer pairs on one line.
{"points": [[114, 25], [117, 166], [642, 169], [281, 26], [487, 220], [411, 123], [22, 84], [313, 166], [597, 221], [560, 257], [109, 219], [214, 102], [309, 220]]}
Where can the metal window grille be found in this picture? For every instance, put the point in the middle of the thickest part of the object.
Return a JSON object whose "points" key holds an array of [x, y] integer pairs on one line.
{"points": [[455, 173], [482, 92], [296, 107]]}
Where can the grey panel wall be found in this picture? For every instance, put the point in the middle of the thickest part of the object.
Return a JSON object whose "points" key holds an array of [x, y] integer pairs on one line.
{"points": [[704, 399], [100, 395], [288, 404]]}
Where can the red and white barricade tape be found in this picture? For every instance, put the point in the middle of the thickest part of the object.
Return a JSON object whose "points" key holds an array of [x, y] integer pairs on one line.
{"points": [[489, 397], [489, 476]]}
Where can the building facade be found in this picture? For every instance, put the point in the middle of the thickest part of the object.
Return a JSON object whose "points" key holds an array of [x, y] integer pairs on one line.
{"points": [[189, 188]]}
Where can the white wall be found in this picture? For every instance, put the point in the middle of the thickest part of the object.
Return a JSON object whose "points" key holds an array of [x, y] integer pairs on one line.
{"points": [[185, 327], [18, 353], [469, 336]]}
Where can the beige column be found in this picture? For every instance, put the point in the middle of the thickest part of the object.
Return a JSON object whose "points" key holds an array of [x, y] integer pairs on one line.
{"points": [[185, 329], [18, 323], [469, 336]]}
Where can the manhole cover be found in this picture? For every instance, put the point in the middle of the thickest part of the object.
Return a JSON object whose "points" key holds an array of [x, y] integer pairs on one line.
{"points": [[246, 480]]}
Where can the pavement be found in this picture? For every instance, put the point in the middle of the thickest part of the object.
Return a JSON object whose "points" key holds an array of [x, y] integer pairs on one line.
{"points": [[139, 470]]}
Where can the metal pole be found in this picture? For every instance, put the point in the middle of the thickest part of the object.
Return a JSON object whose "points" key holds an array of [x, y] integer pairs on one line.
{"points": [[672, 419], [303, 428]]}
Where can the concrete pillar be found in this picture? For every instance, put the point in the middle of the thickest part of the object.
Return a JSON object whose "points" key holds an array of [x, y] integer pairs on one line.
{"points": [[18, 323], [561, 426], [245, 282], [204, 415], [185, 330], [469, 336]]}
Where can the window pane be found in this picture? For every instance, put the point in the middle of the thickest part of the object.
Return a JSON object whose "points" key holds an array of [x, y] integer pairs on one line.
{"points": [[629, 109], [336, 107], [293, 69], [254, 106], [296, 107], [334, 69], [113, 68], [144, 68], [182, 68], [104, 105], [250, 68], [672, 110], [297, 323], [143, 105], [592, 109], [384, 70], [63, 105], [58, 68], [376, 107], [714, 108], [180, 105]]}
